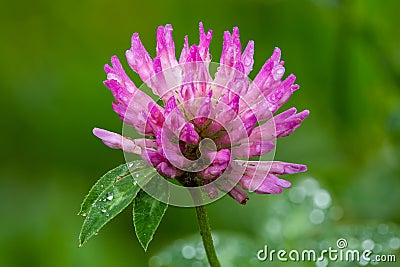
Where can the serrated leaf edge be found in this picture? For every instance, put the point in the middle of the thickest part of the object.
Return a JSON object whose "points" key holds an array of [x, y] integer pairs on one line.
{"points": [[82, 242], [134, 223], [128, 172]]}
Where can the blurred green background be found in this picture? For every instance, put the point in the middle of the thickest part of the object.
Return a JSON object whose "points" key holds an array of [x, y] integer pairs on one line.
{"points": [[346, 55]]}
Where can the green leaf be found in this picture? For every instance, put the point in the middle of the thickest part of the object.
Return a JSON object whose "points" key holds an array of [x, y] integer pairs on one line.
{"points": [[108, 180], [148, 211], [110, 195]]}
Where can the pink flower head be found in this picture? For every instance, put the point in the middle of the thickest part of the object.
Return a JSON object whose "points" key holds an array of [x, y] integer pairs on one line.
{"points": [[206, 127]]}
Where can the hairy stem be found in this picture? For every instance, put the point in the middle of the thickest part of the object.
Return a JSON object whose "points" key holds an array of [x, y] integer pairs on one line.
{"points": [[205, 233], [205, 230]]}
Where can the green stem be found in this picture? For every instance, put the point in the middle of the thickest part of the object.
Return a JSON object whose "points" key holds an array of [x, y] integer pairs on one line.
{"points": [[205, 233], [202, 219]]}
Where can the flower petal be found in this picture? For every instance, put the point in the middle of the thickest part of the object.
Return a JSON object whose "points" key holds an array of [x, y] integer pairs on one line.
{"points": [[204, 43], [270, 184], [247, 57], [281, 125], [189, 135], [211, 190], [139, 59], [166, 47], [185, 51], [117, 141], [168, 171], [233, 191], [279, 167], [204, 111], [248, 150]]}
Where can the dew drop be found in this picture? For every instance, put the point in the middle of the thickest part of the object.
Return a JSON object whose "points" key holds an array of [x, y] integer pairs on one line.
{"points": [[310, 185], [103, 210], [247, 61], [368, 244], [200, 253], [272, 98], [322, 199], [322, 263], [156, 261], [138, 60], [110, 197], [394, 243], [188, 252], [317, 216], [278, 72], [363, 261]]}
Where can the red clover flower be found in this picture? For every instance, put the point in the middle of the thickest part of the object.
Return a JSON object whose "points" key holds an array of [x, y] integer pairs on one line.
{"points": [[204, 130]]}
